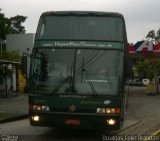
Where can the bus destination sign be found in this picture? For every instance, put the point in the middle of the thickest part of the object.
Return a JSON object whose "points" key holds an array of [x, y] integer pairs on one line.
{"points": [[79, 44]]}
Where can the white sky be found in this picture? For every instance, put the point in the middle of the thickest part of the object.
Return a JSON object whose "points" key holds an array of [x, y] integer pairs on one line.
{"points": [[141, 15]]}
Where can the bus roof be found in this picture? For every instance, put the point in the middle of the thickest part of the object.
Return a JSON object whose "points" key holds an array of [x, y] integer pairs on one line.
{"points": [[82, 13]]}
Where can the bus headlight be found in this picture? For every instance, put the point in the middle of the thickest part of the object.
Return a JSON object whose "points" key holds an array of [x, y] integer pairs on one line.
{"points": [[45, 108], [36, 107], [101, 110], [113, 110], [110, 110], [39, 108]]}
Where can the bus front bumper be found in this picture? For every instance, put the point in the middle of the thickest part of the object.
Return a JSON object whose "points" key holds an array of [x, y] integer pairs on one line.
{"points": [[76, 121]]}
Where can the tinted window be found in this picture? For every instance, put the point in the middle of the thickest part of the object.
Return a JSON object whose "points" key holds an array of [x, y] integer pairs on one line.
{"points": [[81, 28]]}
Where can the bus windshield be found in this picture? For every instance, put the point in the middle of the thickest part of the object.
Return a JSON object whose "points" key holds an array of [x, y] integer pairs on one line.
{"points": [[84, 28], [52, 70]]}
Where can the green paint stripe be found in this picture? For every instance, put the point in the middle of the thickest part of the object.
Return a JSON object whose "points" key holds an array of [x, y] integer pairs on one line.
{"points": [[156, 133]]}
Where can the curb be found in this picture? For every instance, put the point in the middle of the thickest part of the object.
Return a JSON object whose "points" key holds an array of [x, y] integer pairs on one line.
{"points": [[14, 118]]}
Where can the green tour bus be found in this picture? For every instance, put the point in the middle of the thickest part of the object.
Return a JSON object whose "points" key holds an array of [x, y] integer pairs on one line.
{"points": [[77, 73]]}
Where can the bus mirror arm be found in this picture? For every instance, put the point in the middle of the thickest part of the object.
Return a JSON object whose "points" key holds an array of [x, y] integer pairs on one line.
{"points": [[24, 65]]}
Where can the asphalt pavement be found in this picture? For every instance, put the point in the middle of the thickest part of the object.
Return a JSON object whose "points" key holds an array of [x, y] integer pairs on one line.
{"points": [[13, 108], [142, 116]]}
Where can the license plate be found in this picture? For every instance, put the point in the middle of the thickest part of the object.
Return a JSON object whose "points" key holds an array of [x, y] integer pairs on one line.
{"points": [[72, 122]]}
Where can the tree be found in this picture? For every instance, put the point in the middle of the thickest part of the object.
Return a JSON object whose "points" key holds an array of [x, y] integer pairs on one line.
{"points": [[11, 25], [157, 38], [151, 34], [4, 26], [154, 36], [141, 69], [16, 24], [148, 69]]}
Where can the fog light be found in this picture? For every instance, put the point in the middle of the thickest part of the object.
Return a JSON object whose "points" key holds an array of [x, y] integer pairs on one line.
{"points": [[111, 121], [35, 118]]}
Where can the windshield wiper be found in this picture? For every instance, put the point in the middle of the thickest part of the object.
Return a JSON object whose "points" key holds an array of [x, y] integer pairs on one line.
{"points": [[82, 70], [71, 80], [90, 82], [88, 78]]}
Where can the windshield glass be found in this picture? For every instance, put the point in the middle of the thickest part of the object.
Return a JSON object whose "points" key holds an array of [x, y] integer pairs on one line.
{"points": [[55, 70], [81, 27]]}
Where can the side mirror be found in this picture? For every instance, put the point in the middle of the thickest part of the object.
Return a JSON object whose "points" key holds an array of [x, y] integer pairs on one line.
{"points": [[24, 65], [128, 71]]}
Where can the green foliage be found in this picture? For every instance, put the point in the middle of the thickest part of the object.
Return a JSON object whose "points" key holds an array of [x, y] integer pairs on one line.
{"points": [[10, 56], [4, 26], [148, 69], [11, 25], [153, 35], [16, 24], [141, 69]]}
